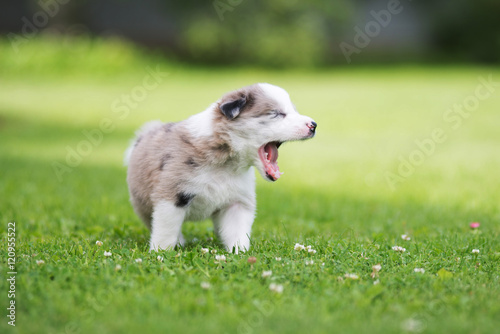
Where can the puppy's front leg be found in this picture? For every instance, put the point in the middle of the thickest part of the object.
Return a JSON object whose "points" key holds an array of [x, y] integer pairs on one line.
{"points": [[166, 226], [233, 226]]}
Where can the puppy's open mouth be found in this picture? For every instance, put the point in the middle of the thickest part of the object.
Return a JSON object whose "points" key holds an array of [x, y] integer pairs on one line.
{"points": [[268, 154]]}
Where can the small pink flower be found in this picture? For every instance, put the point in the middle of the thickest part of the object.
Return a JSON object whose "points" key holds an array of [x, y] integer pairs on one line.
{"points": [[474, 225]]}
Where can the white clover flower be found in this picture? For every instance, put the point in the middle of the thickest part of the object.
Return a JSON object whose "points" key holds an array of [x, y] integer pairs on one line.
{"points": [[160, 258], [98, 243], [278, 288], [139, 260], [419, 270], [118, 267], [204, 250], [213, 251], [399, 249], [40, 262], [220, 257], [405, 237], [299, 247], [107, 253], [309, 247], [309, 250], [351, 276], [205, 285], [376, 282], [377, 267], [267, 273], [309, 262], [475, 251], [278, 259]]}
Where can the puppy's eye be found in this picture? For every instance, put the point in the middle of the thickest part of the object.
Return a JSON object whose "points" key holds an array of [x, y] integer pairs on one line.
{"points": [[277, 113]]}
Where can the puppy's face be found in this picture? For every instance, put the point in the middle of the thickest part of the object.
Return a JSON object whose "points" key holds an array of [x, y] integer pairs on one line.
{"points": [[259, 119]]}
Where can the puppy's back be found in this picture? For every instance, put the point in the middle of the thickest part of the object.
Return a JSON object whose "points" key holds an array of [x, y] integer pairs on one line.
{"points": [[142, 158]]}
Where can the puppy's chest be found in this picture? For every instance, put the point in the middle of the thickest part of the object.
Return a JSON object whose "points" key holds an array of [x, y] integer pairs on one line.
{"points": [[217, 189]]}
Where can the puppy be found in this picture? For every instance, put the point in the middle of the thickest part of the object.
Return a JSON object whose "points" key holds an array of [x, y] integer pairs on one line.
{"points": [[203, 167]]}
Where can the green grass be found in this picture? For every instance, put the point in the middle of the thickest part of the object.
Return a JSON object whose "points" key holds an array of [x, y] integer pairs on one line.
{"points": [[333, 196]]}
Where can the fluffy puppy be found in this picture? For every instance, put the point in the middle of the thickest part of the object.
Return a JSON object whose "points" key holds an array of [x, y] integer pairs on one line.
{"points": [[203, 167]]}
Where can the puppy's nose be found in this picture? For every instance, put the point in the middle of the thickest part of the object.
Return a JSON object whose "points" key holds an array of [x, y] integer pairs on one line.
{"points": [[312, 126]]}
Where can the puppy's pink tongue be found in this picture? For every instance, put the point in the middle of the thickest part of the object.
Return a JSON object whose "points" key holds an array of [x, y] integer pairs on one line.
{"points": [[270, 162], [272, 152]]}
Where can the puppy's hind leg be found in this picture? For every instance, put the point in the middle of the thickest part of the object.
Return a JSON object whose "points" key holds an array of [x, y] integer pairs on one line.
{"points": [[233, 226], [166, 226]]}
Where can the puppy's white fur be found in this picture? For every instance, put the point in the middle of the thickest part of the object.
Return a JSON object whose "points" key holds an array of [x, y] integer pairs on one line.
{"points": [[202, 167]]}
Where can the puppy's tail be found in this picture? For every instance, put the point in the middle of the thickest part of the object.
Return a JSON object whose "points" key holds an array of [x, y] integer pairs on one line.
{"points": [[146, 128]]}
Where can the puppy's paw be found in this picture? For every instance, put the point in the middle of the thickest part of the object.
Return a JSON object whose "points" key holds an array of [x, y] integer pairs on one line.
{"points": [[182, 241], [237, 247], [159, 247], [152, 248]]}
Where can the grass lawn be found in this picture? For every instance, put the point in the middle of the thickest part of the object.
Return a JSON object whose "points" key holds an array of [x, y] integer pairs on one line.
{"points": [[389, 158]]}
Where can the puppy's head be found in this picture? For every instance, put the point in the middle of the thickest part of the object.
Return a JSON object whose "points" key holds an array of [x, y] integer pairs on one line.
{"points": [[259, 118]]}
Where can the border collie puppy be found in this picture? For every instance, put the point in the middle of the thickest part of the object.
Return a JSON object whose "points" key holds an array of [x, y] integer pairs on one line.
{"points": [[202, 167]]}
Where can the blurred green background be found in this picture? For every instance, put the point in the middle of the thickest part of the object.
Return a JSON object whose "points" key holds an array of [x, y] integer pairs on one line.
{"points": [[276, 33], [379, 77]]}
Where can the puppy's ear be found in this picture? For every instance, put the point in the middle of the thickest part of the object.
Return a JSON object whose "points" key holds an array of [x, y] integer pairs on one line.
{"points": [[231, 109]]}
